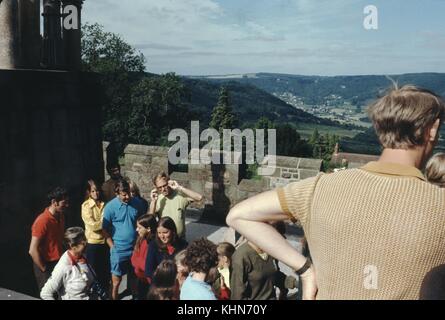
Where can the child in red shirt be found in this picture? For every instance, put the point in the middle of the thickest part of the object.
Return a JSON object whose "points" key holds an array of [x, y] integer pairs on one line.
{"points": [[146, 229]]}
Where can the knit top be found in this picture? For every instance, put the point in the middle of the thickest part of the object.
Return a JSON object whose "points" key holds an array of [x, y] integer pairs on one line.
{"points": [[252, 277], [373, 232]]}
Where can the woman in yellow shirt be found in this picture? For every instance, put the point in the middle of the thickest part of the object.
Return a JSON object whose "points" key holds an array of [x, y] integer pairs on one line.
{"points": [[97, 251]]}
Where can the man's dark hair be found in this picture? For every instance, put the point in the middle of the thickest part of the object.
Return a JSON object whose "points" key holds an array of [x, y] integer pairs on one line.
{"points": [[433, 284], [163, 286], [122, 186], [113, 165], [57, 194], [201, 256]]}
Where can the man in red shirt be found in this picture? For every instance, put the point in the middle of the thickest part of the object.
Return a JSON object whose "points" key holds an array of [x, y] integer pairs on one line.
{"points": [[46, 246]]}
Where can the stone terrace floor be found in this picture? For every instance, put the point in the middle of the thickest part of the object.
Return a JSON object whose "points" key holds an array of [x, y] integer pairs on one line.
{"points": [[11, 295]]}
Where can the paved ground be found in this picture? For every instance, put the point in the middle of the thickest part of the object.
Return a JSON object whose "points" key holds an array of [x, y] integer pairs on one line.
{"points": [[11, 295]]}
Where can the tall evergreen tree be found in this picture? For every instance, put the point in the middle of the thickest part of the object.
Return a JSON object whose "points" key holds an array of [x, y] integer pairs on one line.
{"points": [[264, 123], [289, 142], [314, 137], [222, 115]]}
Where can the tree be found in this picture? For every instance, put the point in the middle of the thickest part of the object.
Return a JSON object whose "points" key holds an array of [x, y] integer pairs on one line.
{"points": [[106, 52], [332, 141], [157, 106], [251, 171], [264, 123], [119, 66], [314, 137], [289, 142], [222, 115]]}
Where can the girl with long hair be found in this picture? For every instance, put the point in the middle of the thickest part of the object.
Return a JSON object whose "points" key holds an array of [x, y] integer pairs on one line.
{"points": [[97, 251], [165, 247], [146, 228]]}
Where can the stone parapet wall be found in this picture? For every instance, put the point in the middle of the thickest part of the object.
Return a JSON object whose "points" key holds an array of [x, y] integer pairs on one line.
{"points": [[142, 163], [220, 184], [289, 169]]}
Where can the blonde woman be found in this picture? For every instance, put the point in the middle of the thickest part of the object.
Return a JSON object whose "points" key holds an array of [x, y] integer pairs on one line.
{"points": [[97, 251], [435, 170], [136, 193]]}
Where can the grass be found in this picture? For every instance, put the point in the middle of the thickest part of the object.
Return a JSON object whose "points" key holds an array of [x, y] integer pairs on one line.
{"points": [[306, 130]]}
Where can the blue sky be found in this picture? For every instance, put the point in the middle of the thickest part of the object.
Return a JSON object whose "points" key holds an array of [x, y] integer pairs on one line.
{"points": [[311, 37]]}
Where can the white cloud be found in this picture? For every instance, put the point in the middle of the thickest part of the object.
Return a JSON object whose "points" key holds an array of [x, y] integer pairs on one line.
{"points": [[180, 30], [170, 22], [290, 36], [258, 32]]}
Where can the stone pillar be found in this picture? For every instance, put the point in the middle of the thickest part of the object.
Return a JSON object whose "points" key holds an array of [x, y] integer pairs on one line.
{"points": [[9, 35], [72, 37], [29, 24], [52, 35]]}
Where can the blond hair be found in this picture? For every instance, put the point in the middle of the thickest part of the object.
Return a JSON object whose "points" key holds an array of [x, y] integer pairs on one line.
{"points": [[161, 175], [402, 117], [134, 188], [435, 170], [226, 249]]}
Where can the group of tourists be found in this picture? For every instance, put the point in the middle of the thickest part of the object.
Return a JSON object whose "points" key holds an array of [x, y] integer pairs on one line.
{"points": [[373, 233], [127, 235]]}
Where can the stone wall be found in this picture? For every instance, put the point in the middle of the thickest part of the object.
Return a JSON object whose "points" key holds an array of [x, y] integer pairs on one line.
{"points": [[221, 185], [50, 134], [289, 169], [142, 163]]}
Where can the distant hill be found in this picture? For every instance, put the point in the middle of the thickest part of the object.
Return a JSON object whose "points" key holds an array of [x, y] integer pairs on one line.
{"points": [[368, 143], [364, 143], [313, 89], [249, 102], [358, 90]]}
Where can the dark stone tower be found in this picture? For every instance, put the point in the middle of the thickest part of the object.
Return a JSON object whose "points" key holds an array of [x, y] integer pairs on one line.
{"points": [[50, 126]]}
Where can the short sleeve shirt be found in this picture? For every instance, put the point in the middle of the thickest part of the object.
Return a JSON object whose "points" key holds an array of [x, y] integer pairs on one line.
{"points": [[296, 198], [120, 222], [50, 230], [174, 207]]}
